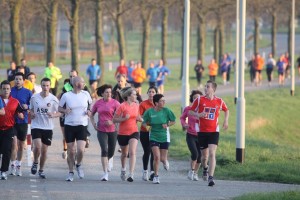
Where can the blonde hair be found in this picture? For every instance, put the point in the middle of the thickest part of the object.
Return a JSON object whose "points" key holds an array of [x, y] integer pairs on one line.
{"points": [[126, 92]]}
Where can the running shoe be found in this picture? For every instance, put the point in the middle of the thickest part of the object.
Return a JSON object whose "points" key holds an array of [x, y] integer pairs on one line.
{"points": [[130, 178], [104, 177], [195, 177], [110, 164], [156, 180], [205, 174], [151, 176], [70, 177], [80, 171], [19, 171], [42, 174], [211, 181], [145, 175], [3, 176], [167, 165], [34, 168], [123, 175], [13, 170], [191, 175], [64, 155]]}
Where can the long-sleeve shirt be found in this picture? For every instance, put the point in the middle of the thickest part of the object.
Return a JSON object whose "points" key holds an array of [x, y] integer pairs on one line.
{"points": [[192, 121], [7, 121], [23, 95]]}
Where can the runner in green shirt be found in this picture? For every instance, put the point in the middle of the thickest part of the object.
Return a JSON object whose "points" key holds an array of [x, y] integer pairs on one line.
{"points": [[159, 118]]}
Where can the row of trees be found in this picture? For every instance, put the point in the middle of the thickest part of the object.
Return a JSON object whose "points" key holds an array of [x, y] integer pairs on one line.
{"points": [[219, 15]]}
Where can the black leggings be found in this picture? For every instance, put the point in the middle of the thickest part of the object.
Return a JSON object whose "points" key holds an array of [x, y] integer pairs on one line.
{"points": [[6, 138], [269, 73], [194, 147], [107, 143], [144, 137]]}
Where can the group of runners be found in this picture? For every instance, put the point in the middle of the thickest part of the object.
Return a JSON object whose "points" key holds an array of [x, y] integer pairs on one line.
{"points": [[119, 109]]}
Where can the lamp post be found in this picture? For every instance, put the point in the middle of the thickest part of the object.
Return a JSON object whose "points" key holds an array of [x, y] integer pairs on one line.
{"points": [[241, 102], [186, 58]]}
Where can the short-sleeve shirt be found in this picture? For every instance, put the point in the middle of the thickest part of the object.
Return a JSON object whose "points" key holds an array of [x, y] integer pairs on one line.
{"points": [[145, 105], [156, 119], [41, 107], [105, 110], [78, 103], [212, 108], [128, 126]]}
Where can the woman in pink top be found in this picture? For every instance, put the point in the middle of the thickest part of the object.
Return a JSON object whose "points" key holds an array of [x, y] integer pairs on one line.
{"points": [[192, 127], [128, 115], [106, 133]]}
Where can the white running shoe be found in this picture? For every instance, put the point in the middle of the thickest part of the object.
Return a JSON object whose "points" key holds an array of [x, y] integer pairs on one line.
{"points": [[19, 171], [3, 176], [70, 177], [104, 177], [123, 175], [80, 171], [110, 164], [13, 170], [156, 180], [145, 175], [64, 155], [191, 175], [195, 177], [167, 165]]}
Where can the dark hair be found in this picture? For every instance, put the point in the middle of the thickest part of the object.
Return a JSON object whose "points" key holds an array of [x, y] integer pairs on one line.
{"points": [[93, 59], [74, 70], [102, 89], [214, 84], [67, 80], [157, 97], [5, 82], [152, 87], [20, 67], [20, 74], [31, 73], [22, 59], [193, 93], [45, 79]]}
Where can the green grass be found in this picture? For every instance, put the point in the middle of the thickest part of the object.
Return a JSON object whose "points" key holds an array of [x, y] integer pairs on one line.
{"points": [[272, 151], [289, 195]]}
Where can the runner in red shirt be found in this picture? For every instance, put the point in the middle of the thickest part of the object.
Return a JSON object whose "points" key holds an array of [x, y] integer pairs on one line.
{"points": [[122, 69], [7, 121], [207, 109]]}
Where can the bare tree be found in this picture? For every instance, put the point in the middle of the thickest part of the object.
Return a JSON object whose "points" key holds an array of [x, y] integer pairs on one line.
{"points": [[147, 9], [99, 37], [117, 8], [73, 18], [51, 9], [15, 34], [164, 31]]}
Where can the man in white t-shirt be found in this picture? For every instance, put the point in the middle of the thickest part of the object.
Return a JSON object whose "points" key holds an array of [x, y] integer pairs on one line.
{"points": [[75, 105], [43, 108]]}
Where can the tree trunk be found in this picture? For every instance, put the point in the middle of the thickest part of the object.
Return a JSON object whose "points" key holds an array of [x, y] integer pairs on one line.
{"points": [[274, 32], [99, 39], [24, 38], [15, 33], [51, 31], [164, 32], [201, 33], [112, 39], [120, 31], [146, 21], [256, 35], [221, 37], [290, 35], [74, 34], [2, 40], [216, 44]]}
